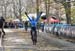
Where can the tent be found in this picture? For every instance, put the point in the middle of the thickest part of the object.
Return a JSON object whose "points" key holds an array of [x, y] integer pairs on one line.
{"points": [[16, 20], [53, 20]]}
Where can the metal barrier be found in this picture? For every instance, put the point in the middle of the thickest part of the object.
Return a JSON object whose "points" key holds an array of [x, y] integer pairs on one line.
{"points": [[65, 31]]}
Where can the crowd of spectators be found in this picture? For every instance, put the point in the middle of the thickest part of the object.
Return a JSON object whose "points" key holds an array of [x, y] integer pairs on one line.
{"points": [[12, 24]]}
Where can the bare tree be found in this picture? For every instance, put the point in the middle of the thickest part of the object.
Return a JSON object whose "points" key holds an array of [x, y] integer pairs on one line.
{"points": [[14, 9], [20, 10], [1, 4], [67, 6], [47, 6], [6, 3]]}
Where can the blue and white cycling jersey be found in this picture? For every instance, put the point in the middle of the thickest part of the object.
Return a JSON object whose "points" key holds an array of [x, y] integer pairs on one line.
{"points": [[34, 22]]}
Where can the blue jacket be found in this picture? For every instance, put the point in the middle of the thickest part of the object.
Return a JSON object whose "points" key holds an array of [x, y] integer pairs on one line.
{"points": [[34, 22]]}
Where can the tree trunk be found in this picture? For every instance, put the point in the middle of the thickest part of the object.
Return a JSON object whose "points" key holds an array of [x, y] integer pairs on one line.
{"points": [[20, 10], [5, 11], [37, 9], [2, 10], [47, 6], [14, 9], [68, 12]]}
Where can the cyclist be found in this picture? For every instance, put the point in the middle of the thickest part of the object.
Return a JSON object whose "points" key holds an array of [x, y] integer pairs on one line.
{"points": [[33, 23]]}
